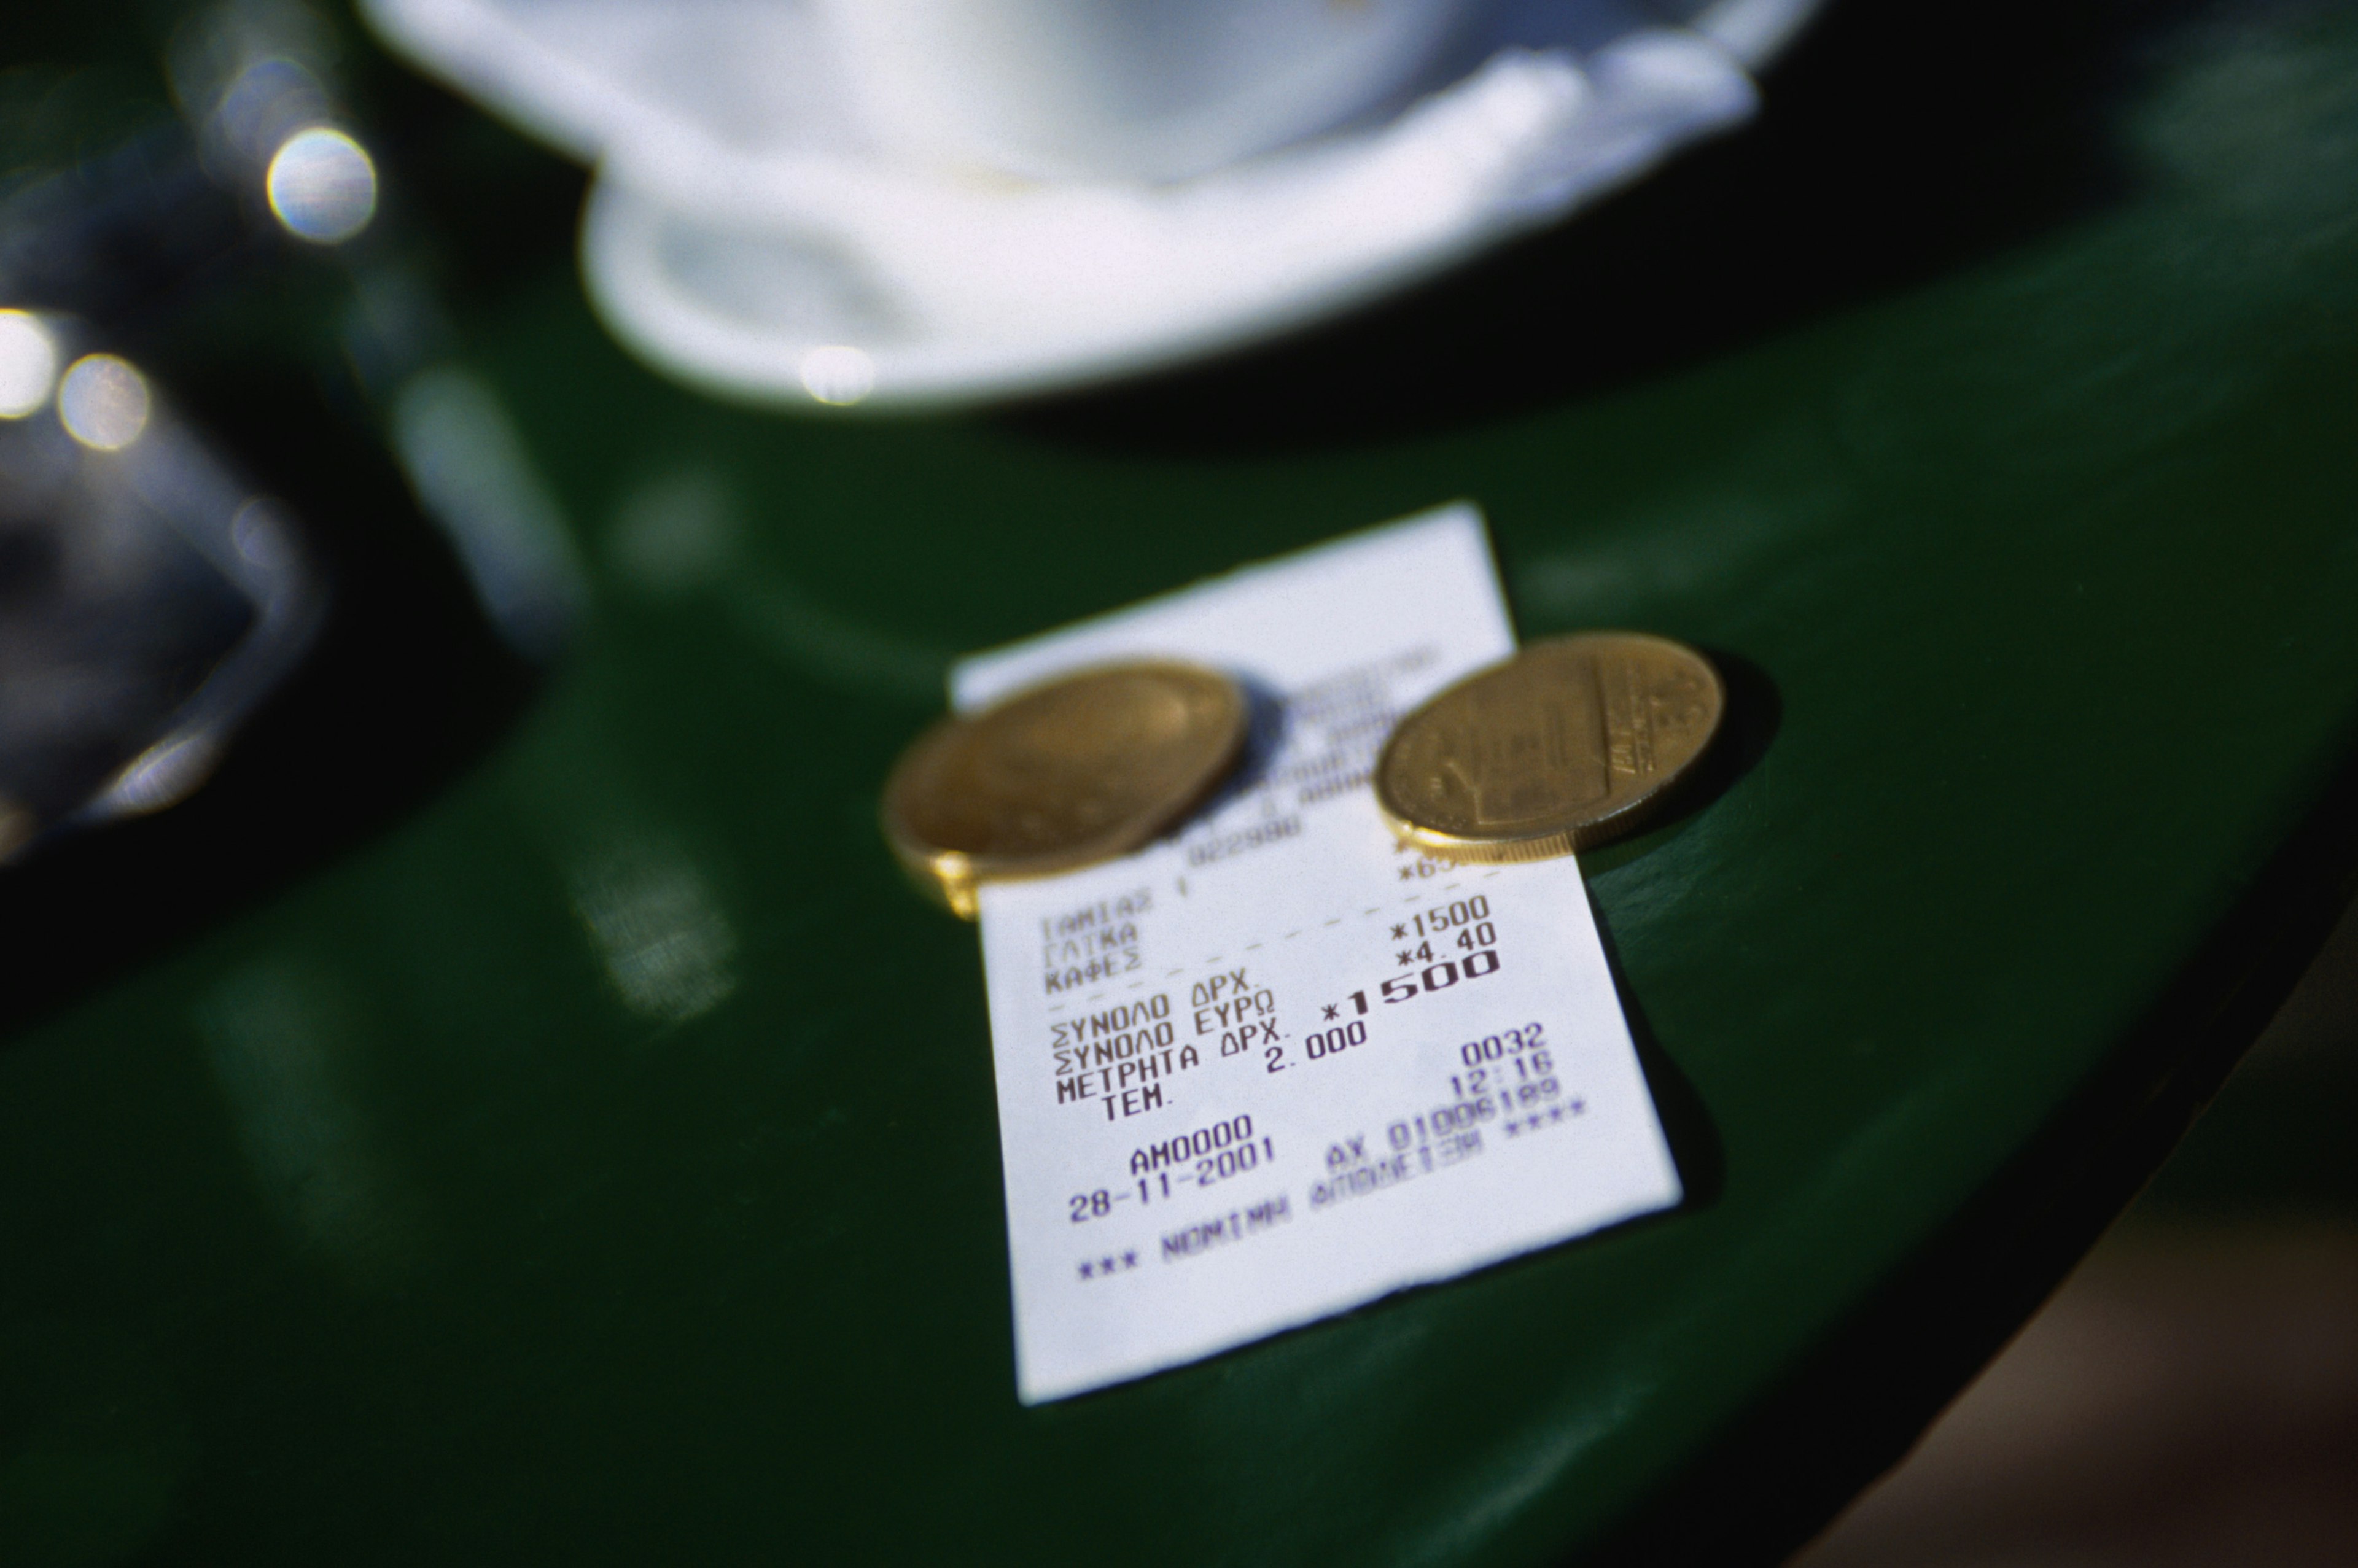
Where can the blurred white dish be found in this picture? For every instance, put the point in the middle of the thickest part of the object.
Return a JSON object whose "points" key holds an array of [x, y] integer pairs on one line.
{"points": [[749, 236], [1129, 89]]}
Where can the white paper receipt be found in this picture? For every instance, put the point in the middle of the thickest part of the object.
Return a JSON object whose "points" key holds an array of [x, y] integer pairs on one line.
{"points": [[1276, 1067]]}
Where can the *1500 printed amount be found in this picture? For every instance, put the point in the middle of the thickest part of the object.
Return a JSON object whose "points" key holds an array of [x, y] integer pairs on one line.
{"points": [[1477, 959]]}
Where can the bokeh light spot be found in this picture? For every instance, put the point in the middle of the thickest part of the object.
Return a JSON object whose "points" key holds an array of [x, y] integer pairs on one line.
{"points": [[103, 402], [28, 363], [322, 186]]}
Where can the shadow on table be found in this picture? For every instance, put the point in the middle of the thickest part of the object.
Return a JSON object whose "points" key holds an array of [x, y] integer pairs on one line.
{"points": [[1755, 712], [1897, 143]]}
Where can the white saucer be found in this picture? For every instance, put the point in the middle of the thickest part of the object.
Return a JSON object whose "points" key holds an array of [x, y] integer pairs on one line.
{"points": [[741, 237]]}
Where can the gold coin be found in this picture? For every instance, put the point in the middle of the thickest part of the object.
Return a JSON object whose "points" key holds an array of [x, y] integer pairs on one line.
{"points": [[1081, 770], [1572, 742]]}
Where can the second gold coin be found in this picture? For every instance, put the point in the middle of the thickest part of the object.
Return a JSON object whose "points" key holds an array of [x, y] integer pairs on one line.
{"points": [[1573, 741]]}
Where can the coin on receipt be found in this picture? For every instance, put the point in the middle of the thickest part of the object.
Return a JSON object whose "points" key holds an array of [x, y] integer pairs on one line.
{"points": [[1572, 742], [1082, 769]]}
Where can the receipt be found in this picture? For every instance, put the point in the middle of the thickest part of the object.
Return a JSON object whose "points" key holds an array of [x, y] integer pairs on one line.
{"points": [[1275, 1065]]}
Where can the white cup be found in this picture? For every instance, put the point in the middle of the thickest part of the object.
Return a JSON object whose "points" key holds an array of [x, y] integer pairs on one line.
{"points": [[1127, 89]]}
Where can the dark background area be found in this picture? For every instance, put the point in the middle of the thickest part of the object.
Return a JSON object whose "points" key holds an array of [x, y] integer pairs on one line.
{"points": [[2189, 1396]]}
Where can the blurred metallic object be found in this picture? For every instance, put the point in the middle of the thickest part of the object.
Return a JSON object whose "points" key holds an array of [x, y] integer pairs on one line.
{"points": [[257, 80], [253, 78], [148, 599]]}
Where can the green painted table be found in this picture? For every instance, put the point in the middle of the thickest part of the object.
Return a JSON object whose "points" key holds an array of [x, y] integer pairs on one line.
{"points": [[544, 1130]]}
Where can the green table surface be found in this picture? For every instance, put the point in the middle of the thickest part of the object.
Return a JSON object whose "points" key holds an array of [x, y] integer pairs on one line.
{"points": [[552, 1134]]}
